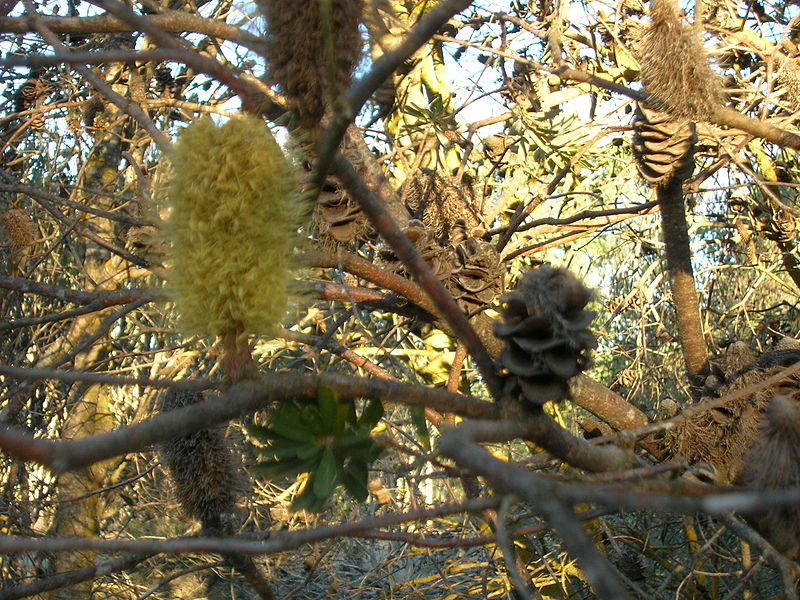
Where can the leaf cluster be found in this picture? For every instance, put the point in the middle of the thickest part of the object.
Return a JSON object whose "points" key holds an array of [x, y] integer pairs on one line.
{"points": [[326, 439]]}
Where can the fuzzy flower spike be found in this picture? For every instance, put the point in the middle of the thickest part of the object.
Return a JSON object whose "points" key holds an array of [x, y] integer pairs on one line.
{"points": [[236, 208]]}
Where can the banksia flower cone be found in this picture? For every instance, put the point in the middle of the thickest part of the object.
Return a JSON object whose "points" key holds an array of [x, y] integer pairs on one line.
{"points": [[202, 467], [674, 66], [312, 48], [774, 464], [235, 213], [544, 328], [663, 148]]}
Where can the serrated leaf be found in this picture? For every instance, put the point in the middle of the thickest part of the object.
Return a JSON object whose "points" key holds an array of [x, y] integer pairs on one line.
{"points": [[371, 414], [421, 425], [325, 475]]}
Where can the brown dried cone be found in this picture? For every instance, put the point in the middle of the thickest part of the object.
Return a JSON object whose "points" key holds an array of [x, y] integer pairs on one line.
{"points": [[312, 47], [202, 466], [789, 79], [439, 259], [477, 272], [674, 65], [338, 220], [774, 464], [779, 227], [721, 436], [663, 147], [18, 235], [438, 201], [545, 330]]}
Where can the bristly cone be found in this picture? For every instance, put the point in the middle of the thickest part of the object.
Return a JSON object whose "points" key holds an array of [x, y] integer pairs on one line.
{"points": [[202, 466], [236, 209], [674, 65], [312, 48], [774, 464], [545, 329]]}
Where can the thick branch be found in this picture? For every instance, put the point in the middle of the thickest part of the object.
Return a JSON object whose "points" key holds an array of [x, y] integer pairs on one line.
{"points": [[243, 398], [681, 279]]}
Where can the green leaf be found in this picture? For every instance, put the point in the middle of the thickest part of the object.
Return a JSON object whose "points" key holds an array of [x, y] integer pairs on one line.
{"points": [[307, 451], [259, 432], [273, 469], [371, 414], [355, 485], [328, 401], [421, 425], [288, 424], [352, 438], [308, 500], [325, 475]]}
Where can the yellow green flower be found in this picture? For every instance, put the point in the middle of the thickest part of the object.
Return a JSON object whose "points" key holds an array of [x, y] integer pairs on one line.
{"points": [[236, 208]]}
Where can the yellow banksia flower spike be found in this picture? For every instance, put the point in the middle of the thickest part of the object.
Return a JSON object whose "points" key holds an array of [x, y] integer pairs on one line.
{"points": [[236, 208]]}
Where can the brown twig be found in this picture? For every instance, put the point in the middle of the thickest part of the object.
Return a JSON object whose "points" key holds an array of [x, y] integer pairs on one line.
{"points": [[63, 580]]}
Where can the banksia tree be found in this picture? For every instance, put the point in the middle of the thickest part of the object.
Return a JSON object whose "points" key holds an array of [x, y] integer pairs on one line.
{"points": [[312, 48], [674, 65], [545, 330], [235, 213], [477, 271]]}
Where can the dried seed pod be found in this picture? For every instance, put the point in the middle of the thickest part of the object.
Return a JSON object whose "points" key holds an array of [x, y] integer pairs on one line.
{"points": [[663, 147], [202, 466], [780, 226], [477, 272], [789, 79], [722, 436], [337, 218], [439, 259], [545, 330], [438, 201], [674, 65], [774, 464], [312, 47], [18, 235]]}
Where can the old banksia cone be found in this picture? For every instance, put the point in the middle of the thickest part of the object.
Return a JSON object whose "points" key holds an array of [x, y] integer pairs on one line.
{"points": [[312, 49], [675, 66], [774, 464], [545, 330], [206, 476], [235, 213]]}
